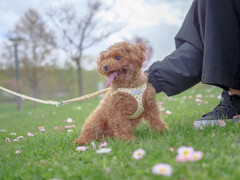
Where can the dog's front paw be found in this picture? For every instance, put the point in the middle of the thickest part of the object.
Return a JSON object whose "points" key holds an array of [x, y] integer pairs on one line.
{"points": [[79, 142]]}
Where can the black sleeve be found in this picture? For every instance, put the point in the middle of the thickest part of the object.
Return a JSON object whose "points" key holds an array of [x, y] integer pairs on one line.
{"points": [[177, 72]]}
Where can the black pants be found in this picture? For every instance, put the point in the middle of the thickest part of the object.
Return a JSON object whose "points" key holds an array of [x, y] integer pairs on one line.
{"points": [[207, 49]]}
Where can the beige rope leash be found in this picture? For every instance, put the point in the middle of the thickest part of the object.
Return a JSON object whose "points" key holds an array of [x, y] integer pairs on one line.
{"points": [[56, 103]]}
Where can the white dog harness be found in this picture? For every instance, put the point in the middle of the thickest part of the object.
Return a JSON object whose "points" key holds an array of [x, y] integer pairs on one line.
{"points": [[137, 93]]}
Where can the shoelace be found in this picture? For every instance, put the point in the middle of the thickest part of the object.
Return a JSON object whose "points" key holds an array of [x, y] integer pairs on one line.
{"points": [[226, 105]]}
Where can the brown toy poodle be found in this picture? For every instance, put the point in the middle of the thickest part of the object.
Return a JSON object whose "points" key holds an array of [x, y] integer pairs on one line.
{"points": [[129, 99]]}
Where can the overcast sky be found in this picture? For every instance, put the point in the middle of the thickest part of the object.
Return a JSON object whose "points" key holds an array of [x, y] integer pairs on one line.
{"points": [[155, 20]]}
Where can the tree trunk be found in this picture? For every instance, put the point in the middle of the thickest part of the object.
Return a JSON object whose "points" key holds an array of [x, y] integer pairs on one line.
{"points": [[80, 81], [35, 92]]}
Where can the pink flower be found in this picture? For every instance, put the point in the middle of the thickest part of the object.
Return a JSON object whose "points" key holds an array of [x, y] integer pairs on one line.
{"points": [[81, 148], [198, 96], [41, 128], [171, 149], [221, 123], [69, 130], [167, 112], [161, 103], [57, 127], [236, 117], [18, 152], [68, 127], [183, 150], [15, 140], [30, 134], [138, 154], [7, 140], [73, 126], [195, 156], [102, 145], [182, 158], [188, 154], [198, 100]]}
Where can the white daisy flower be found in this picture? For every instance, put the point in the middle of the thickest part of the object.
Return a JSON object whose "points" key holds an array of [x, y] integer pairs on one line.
{"points": [[138, 154], [162, 169]]}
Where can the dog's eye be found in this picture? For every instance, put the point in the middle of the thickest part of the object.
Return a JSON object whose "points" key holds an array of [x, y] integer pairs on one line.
{"points": [[118, 57]]}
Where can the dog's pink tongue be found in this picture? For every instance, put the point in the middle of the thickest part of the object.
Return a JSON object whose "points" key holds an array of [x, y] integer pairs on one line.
{"points": [[111, 78]]}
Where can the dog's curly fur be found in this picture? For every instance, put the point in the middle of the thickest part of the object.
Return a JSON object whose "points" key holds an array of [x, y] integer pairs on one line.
{"points": [[110, 118]]}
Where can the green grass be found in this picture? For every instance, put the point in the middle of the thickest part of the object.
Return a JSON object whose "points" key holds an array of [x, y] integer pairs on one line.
{"points": [[51, 154]]}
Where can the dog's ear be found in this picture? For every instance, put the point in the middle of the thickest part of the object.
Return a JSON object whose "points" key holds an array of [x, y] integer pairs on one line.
{"points": [[100, 59], [137, 52]]}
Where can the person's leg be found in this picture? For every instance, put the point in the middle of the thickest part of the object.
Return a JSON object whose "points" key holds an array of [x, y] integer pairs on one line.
{"points": [[234, 92], [217, 62], [219, 27]]}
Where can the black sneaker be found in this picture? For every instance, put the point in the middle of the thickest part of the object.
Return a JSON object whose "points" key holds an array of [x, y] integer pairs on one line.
{"points": [[228, 107]]}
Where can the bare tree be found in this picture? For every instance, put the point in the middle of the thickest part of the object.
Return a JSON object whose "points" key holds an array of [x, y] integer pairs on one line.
{"points": [[35, 49], [78, 32]]}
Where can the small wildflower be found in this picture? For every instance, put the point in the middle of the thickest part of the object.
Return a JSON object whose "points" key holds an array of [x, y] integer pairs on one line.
{"points": [[182, 158], [198, 100], [102, 145], [20, 137], [162, 169], [236, 117], [3, 130], [15, 140], [185, 150], [195, 156], [18, 152], [69, 120], [103, 150], [67, 127], [57, 127], [13, 134], [81, 148], [221, 123], [7, 140], [41, 128], [188, 154], [30, 134], [93, 145], [69, 130], [198, 96], [167, 112], [171, 149], [138, 154]]}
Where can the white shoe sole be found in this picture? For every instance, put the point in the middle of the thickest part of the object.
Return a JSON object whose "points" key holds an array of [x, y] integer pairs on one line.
{"points": [[203, 123]]}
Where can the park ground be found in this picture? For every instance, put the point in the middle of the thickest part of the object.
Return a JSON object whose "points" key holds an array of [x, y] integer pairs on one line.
{"points": [[50, 154]]}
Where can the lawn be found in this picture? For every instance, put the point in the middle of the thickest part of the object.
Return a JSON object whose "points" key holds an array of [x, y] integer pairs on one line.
{"points": [[50, 154]]}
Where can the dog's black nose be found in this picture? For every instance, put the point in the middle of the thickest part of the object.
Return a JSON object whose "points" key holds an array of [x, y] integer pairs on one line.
{"points": [[106, 67]]}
